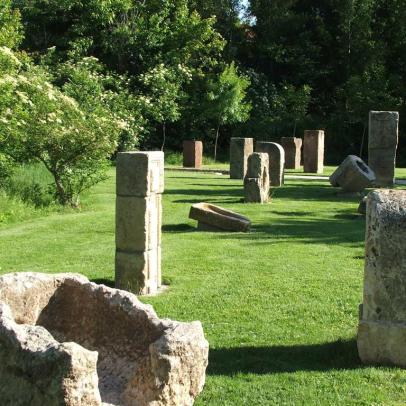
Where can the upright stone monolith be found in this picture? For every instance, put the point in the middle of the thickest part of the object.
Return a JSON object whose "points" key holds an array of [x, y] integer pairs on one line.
{"points": [[256, 182], [276, 161], [382, 145], [382, 325], [192, 154], [293, 151], [240, 149], [140, 183], [313, 151]]}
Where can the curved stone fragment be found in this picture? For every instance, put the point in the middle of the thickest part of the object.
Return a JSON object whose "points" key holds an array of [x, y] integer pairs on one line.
{"points": [[276, 161], [67, 341]]}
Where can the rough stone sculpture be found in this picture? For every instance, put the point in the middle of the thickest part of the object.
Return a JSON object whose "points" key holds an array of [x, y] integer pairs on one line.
{"points": [[313, 151], [192, 154], [240, 149], [382, 325], [276, 161], [256, 182], [140, 183], [292, 147], [215, 218], [353, 175], [382, 145], [66, 341]]}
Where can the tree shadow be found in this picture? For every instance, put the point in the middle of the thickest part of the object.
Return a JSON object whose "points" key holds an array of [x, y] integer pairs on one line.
{"points": [[337, 355], [103, 281], [223, 192], [178, 228]]}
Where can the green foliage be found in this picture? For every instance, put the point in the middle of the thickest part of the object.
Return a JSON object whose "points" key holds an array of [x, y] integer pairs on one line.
{"points": [[10, 25]]}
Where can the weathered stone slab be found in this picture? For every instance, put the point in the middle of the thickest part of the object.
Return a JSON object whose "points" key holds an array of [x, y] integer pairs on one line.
{"points": [[218, 218], [353, 175], [138, 221], [66, 341], [313, 151], [276, 161], [382, 145], [240, 149], [293, 152], [256, 182], [192, 154], [139, 173], [382, 328]]}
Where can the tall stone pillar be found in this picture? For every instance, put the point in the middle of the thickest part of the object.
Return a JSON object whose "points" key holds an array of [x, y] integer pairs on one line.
{"points": [[139, 185], [192, 154], [382, 325], [256, 182], [382, 145], [293, 151], [240, 149], [313, 151], [276, 156]]}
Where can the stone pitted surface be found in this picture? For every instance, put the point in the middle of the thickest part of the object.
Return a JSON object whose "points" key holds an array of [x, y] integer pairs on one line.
{"points": [[140, 182], [256, 182], [276, 161], [313, 151], [192, 154], [215, 218], [240, 149], [66, 341], [353, 175], [382, 145], [382, 326], [293, 151]]}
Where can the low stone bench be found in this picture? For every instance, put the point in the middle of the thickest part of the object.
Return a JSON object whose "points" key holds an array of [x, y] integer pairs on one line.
{"points": [[215, 218], [67, 341]]}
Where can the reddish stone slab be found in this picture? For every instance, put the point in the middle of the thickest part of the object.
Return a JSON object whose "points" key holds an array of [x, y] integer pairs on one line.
{"points": [[192, 154]]}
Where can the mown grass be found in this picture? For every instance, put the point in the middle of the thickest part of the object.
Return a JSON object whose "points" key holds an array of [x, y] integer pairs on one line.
{"points": [[279, 305]]}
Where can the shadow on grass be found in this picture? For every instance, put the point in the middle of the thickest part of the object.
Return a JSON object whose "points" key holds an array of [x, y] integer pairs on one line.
{"points": [[178, 228], [103, 281], [337, 355]]}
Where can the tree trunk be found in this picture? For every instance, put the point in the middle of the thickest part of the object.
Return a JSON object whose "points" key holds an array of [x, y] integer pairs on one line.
{"points": [[215, 143], [164, 135]]}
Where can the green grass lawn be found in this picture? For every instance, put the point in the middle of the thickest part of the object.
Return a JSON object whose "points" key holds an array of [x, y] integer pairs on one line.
{"points": [[279, 305]]}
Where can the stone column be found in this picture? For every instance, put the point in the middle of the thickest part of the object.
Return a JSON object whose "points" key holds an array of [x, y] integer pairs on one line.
{"points": [[256, 182], [276, 161], [240, 149], [139, 185], [382, 145], [192, 154], [313, 151], [293, 152], [382, 325]]}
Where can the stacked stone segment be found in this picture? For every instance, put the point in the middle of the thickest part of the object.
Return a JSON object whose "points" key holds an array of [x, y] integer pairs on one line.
{"points": [[140, 183], [382, 325], [192, 154], [256, 182], [276, 156], [382, 145], [240, 149], [293, 151], [313, 151]]}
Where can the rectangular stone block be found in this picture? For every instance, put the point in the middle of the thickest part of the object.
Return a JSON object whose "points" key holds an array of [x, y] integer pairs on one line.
{"points": [[138, 222], [293, 152], [140, 173], [139, 272], [240, 149], [382, 145], [192, 154], [313, 151]]}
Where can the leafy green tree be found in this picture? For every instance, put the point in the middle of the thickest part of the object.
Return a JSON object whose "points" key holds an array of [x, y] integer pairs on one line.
{"points": [[10, 25], [227, 100]]}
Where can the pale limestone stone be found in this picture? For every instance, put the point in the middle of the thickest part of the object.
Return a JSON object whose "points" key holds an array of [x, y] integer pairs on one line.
{"points": [[382, 328], [215, 218], [66, 341], [256, 182], [240, 149], [353, 175], [276, 161], [313, 151], [382, 145], [138, 221], [293, 152]]}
